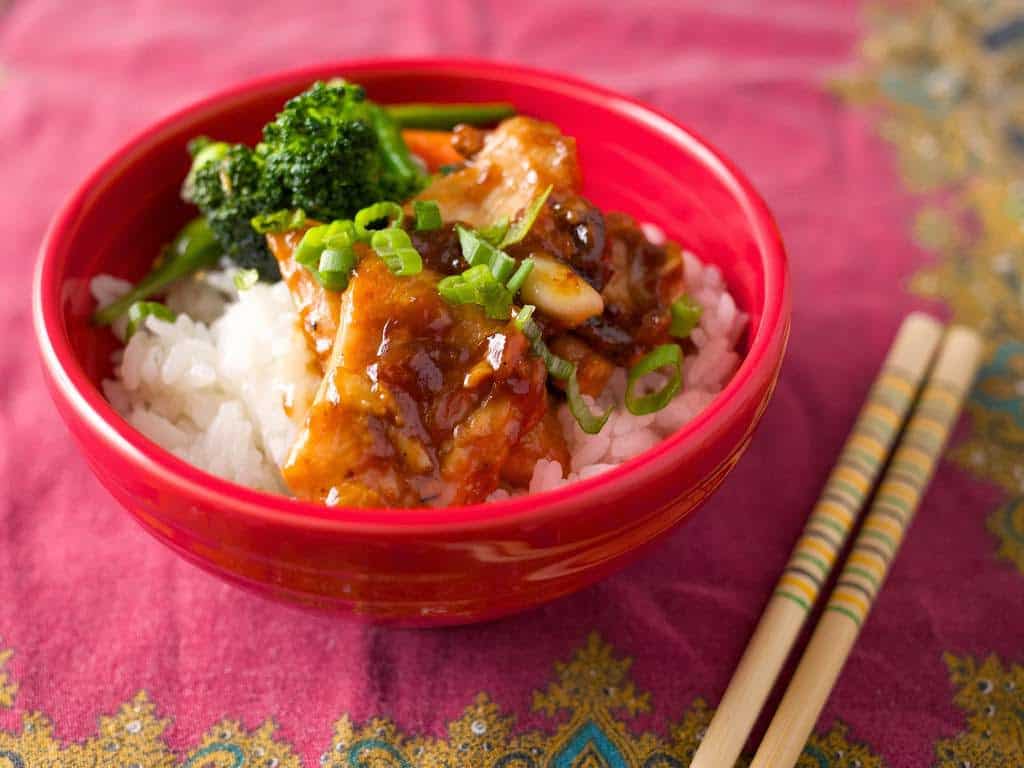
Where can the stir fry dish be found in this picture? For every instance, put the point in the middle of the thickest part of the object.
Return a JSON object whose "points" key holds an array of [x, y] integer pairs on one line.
{"points": [[471, 324]]}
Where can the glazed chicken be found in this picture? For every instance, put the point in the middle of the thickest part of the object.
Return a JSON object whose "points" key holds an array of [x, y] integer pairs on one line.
{"points": [[428, 403], [421, 401]]}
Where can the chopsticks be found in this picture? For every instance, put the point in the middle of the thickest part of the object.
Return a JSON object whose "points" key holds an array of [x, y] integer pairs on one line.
{"points": [[825, 534]]}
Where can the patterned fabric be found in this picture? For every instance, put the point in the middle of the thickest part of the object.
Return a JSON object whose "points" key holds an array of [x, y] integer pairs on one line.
{"points": [[901, 187]]}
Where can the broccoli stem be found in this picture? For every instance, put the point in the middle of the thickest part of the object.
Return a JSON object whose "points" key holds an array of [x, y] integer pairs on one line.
{"points": [[192, 249], [444, 117], [396, 154]]}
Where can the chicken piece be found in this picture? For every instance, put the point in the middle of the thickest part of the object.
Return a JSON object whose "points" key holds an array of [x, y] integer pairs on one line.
{"points": [[421, 403], [545, 441], [519, 159], [318, 308]]}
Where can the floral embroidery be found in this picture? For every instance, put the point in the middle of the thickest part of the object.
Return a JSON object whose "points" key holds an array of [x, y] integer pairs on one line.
{"points": [[945, 79], [7, 688], [993, 698], [588, 704], [1007, 522]]}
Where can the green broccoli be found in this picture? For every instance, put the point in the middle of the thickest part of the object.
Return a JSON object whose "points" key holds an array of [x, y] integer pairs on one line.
{"points": [[329, 152], [229, 184], [336, 152]]}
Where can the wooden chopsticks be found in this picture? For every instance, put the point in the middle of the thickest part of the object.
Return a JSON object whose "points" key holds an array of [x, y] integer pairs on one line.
{"points": [[833, 518]]}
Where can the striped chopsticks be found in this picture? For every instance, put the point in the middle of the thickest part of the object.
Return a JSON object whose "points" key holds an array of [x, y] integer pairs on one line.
{"points": [[833, 518]]}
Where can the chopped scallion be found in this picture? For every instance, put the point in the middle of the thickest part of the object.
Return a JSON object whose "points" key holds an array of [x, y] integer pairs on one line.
{"points": [[495, 233], [140, 310], [395, 248], [335, 267], [428, 215], [502, 266], [522, 226], [666, 355], [478, 286], [558, 367], [685, 316], [519, 277], [246, 279], [589, 422], [386, 211], [330, 245], [524, 314]]}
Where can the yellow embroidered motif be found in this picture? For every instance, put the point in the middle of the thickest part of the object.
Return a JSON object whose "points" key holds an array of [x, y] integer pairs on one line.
{"points": [[588, 703], [993, 698], [7, 688], [946, 80], [1007, 522]]}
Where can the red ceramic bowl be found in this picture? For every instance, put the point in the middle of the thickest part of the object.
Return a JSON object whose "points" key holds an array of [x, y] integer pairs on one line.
{"points": [[416, 566]]}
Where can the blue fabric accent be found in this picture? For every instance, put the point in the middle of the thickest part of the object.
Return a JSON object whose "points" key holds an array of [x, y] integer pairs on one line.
{"points": [[358, 748], [232, 749], [589, 735]]}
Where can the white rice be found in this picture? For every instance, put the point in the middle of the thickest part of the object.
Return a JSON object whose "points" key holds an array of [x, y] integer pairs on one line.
{"points": [[226, 386], [215, 393]]}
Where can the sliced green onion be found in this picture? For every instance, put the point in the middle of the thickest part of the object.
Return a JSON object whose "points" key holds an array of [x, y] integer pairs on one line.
{"points": [[338, 235], [589, 422], [475, 250], [386, 210], [685, 316], [428, 215], [335, 268], [495, 233], [455, 290], [279, 221], [395, 248], [478, 286], [329, 245], [517, 279], [502, 266], [558, 367], [140, 310], [522, 226], [659, 357], [496, 300], [246, 279], [524, 314]]}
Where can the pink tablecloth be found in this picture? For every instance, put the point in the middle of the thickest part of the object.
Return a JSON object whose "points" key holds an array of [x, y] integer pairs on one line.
{"points": [[115, 652]]}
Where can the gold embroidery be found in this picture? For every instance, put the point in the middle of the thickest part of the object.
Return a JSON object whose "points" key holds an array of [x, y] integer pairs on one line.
{"points": [[587, 703], [1007, 523], [946, 80], [7, 688], [993, 698]]}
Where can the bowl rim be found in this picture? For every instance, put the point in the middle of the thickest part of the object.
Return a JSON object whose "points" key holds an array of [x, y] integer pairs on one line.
{"points": [[69, 380]]}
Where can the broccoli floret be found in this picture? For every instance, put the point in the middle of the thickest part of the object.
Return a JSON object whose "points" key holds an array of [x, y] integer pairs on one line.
{"points": [[337, 152], [229, 184], [330, 152]]}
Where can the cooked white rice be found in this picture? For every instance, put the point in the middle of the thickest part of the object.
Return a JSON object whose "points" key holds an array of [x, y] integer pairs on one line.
{"points": [[226, 385]]}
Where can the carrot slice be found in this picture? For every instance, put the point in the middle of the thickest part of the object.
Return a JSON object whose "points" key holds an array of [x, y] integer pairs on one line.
{"points": [[433, 147]]}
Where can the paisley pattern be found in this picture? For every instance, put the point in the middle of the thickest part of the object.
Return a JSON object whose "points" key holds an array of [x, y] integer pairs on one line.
{"points": [[993, 698], [588, 704], [946, 79]]}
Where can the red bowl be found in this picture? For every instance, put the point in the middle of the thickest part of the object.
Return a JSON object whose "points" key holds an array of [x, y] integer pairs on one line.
{"points": [[416, 566]]}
